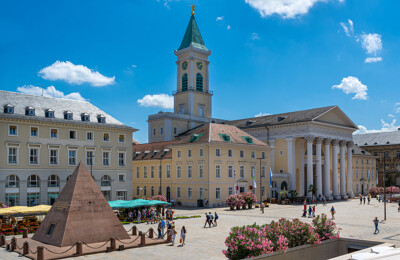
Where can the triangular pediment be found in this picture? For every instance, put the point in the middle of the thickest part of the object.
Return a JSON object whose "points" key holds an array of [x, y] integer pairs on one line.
{"points": [[80, 213], [335, 116]]}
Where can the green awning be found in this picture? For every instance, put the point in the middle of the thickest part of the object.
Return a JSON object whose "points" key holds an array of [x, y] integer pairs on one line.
{"points": [[117, 204]]}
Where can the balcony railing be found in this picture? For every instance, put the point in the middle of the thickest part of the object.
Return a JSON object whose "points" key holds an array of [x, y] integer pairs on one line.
{"points": [[193, 89]]}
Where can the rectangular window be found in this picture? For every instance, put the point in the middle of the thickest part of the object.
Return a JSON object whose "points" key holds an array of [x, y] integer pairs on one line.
{"points": [[230, 191], [182, 109], [189, 154], [189, 171], [189, 193], [71, 157], [218, 152], [263, 171], [89, 136], [152, 171], [386, 154], [144, 172], [357, 174], [122, 195], [53, 133], [242, 154], [161, 131], [201, 152], [178, 192], [72, 134], [168, 171], [201, 171], [12, 199], [12, 130], [230, 171], [53, 156], [137, 172], [356, 187], [398, 154], [33, 156], [241, 171], [121, 177], [51, 197], [362, 173], [34, 132], [217, 193], [159, 171], [178, 171], [89, 158], [106, 137], [263, 191], [362, 161], [201, 191], [121, 159], [217, 171], [154, 131], [263, 155], [12, 155], [32, 199], [230, 153], [178, 154], [201, 111], [121, 138], [253, 154], [106, 158], [175, 131]]}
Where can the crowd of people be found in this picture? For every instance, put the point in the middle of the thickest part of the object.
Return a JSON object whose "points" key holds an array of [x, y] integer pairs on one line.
{"points": [[211, 219], [150, 216]]}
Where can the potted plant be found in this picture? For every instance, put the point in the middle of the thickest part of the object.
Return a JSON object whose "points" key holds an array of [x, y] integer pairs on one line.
{"points": [[231, 201], [239, 201], [313, 189], [284, 194], [293, 195], [249, 198]]}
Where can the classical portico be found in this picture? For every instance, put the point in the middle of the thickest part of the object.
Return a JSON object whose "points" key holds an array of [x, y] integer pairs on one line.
{"points": [[310, 147]]}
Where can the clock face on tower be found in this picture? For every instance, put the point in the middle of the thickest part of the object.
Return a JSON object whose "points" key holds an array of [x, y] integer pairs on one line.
{"points": [[199, 65], [184, 65]]}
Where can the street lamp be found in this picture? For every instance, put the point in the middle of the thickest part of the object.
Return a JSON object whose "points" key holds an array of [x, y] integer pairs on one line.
{"points": [[160, 175], [261, 158], [384, 186]]}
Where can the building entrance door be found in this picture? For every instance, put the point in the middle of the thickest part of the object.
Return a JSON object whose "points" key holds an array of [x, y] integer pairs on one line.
{"points": [[241, 189], [168, 194]]}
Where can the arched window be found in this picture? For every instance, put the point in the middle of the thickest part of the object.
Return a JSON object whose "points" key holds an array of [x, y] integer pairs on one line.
{"points": [[284, 185], [199, 82], [106, 180], [33, 181], [53, 181], [184, 82], [152, 191], [12, 181]]}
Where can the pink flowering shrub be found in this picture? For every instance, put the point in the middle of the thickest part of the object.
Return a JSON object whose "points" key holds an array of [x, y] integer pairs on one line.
{"points": [[231, 200], [2, 205], [159, 197], [249, 197], [278, 236], [379, 190]]}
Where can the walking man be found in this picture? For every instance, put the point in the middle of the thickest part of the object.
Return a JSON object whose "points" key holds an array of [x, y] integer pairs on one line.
{"points": [[364, 200], [333, 211], [207, 219], [262, 206], [360, 196], [376, 222]]}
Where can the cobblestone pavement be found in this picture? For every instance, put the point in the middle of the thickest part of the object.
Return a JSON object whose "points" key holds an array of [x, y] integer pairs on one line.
{"points": [[207, 243]]}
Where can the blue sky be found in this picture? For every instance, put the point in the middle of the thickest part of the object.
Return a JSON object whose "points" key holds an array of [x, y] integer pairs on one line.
{"points": [[267, 57]]}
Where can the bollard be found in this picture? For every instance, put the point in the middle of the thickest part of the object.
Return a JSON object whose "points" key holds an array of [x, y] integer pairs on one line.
{"points": [[2, 240], [151, 233], [25, 248], [169, 237], [40, 253], [134, 231], [113, 244], [13, 244], [25, 233], [79, 250], [142, 239], [121, 247]]}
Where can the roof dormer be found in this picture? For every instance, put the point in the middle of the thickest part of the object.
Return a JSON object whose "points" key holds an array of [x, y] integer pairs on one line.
{"points": [[9, 109], [85, 117], [68, 115], [29, 111], [101, 119], [49, 113]]}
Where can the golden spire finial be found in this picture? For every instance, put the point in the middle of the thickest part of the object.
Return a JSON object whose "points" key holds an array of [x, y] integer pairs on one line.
{"points": [[192, 9]]}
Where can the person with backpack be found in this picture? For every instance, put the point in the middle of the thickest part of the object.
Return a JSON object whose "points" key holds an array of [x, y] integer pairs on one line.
{"points": [[210, 220], [162, 227], [333, 211], [215, 218], [207, 219]]}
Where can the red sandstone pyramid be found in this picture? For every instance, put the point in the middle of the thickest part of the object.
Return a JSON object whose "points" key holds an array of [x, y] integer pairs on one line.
{"points": [[80, 213]]}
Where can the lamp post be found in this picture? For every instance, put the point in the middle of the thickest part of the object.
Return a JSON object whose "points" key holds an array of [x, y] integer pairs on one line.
{"points": [[160, 175], [384, 186], [261, 158]]}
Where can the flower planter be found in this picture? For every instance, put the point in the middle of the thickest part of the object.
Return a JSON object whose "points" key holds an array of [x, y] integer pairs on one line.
{"points": [[279, 201], [250, 206], [237, 207], [232, 207], [273, 201], [244, 206], [287, 202]]}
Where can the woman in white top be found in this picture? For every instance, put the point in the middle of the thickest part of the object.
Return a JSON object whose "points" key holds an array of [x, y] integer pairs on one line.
{"points": [[183, 235]]}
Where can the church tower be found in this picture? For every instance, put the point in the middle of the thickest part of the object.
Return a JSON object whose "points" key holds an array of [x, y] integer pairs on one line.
{"points": [[192, 96]]}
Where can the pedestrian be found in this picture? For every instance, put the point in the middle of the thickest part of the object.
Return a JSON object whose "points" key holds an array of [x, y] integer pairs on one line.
{"points": [[139, 215], [162, 227], [380, 198], [215, 218], [183, 235], [398, 209], [309, 211], [173, 234], [206, 203], [369, 198], [305, 204], [364, 200], [376, 222], [360, 196], [169, 227], [333, 211], [324, 201], [159, 230], [262, 206], [210, 219], [207, 219], [313, 211]]}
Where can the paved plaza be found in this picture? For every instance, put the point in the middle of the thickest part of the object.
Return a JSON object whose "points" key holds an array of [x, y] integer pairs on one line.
{"points": [[207, 243]]}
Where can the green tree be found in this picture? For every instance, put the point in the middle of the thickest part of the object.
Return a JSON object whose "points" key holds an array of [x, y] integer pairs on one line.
{"points": [[313, 189], [293, 194], [284, 193]]}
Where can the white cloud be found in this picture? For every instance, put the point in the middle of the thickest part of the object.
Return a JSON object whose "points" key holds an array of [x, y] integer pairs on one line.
{"points": [[373, 59], [133, 66], [75, 74], [165, 3], [159, 100], [262, 114], [386, 127], [352, 85], [220, 18], [371, 43], [391, 115], [50, 91], [228, 27], [348, 27], [254, 36], [397, 107], [284, 8]]}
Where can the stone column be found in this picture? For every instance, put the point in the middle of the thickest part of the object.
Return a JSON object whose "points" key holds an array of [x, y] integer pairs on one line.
{"points": [[350, 169], [291, 142], [310, 180], [301, 190], [318, 165], [335, 149], [327, 170], [342, 169]]}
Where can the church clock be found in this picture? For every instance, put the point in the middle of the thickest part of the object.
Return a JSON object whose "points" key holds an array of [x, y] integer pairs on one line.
{"points": [[199, 65]]}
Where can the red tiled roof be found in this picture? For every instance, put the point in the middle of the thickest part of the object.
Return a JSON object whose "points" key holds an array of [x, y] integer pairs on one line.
{"points": [[141, 149]]}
